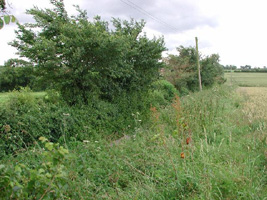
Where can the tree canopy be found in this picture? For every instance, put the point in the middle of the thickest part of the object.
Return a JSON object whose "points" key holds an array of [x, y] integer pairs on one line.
{"points": [[182, 69], [2, 5], [85, 58]]}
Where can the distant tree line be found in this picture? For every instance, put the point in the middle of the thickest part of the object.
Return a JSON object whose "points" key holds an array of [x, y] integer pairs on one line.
{"points": [[244, 68], [16, 73], [258, 70], [229, 67]]}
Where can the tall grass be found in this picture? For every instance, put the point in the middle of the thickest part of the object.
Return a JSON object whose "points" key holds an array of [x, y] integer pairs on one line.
{"points": [[201, 146]]}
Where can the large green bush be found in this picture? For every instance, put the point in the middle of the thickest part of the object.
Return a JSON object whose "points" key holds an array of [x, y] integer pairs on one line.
{"points": [[85, 59]]}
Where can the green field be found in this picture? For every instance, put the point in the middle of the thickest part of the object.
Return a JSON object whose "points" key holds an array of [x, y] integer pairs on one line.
{"points": [[247, 79], [5, 95]]}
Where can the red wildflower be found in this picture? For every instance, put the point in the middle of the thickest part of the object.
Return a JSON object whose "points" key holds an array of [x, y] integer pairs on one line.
{"points": [[182, 155], [188, 140]]}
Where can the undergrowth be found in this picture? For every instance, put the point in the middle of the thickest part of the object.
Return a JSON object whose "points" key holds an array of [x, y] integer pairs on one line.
{"points": [[199, 147]]}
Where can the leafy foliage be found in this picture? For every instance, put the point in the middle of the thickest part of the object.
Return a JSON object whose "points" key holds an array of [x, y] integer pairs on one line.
{"points": [[85, 59], [16, 73], [104, 74], [23, 119], [6, 19], [212, 70], [182, 70], [162, 93], [48, 180], [15, 62]]}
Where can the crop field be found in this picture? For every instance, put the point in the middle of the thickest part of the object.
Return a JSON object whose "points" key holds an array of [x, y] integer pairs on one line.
{"points": [[255, 109], [247, 79], [256, 105]]}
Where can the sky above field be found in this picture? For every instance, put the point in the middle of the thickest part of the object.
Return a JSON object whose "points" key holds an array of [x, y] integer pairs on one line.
{"points": [[235, 29]]}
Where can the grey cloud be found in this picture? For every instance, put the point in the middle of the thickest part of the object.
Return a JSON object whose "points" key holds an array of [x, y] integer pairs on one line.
{"points": [[179, 15], [172, 16]]}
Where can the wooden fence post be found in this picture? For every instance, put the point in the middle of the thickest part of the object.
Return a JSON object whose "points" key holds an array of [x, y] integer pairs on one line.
{"points": [[198, 66]]}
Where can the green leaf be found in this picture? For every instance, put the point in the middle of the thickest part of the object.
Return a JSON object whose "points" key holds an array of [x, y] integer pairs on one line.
{"points": [[43, 139], [7, 19], [1, 23], [41, 170], [13, 19], [48, 175], [49, 146], [63, 151]]}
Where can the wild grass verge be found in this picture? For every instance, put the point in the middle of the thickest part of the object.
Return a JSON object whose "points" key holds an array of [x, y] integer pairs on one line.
{"points": [[200, 147]]}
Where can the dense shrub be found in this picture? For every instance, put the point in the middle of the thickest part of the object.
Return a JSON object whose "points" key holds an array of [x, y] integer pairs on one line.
{"points": [[162, 93], [84, 59], [211, 71], [182, 70], [167, 88], [23, 119]]}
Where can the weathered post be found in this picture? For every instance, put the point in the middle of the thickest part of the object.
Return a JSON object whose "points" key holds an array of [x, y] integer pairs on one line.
{"points": [[198, 66]]}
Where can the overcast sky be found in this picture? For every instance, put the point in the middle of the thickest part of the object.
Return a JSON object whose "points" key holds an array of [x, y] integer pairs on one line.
{"points": [[235, 29]]}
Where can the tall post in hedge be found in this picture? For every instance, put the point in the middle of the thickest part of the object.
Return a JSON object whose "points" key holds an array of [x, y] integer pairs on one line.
{"points": [[198, 66]]}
